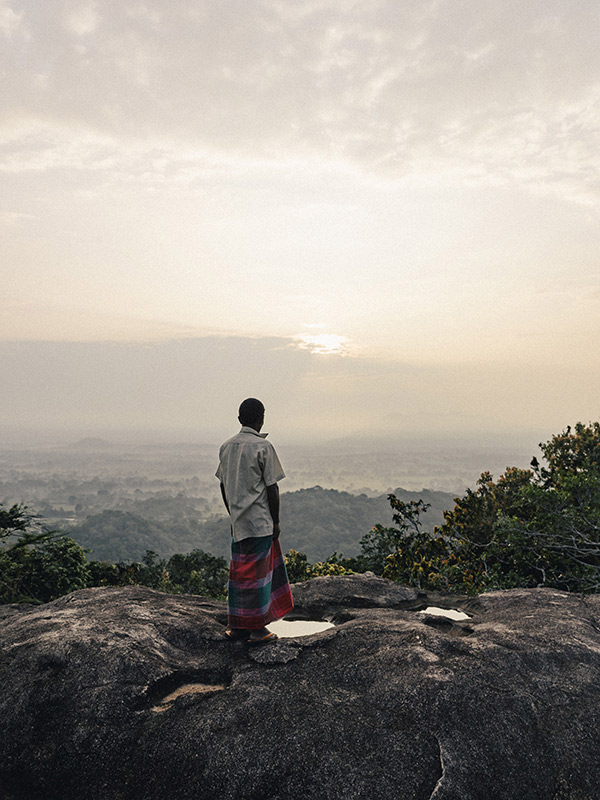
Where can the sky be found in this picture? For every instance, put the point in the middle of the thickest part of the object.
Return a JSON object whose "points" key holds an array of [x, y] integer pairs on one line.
{"points": [[380, 216]]}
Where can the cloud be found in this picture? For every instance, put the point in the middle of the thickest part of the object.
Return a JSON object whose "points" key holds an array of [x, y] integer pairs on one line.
{"points": [[323, 343], [421, 177], [11, 22], [480, 92], [81, 19], [192, 387], [12, 219]]}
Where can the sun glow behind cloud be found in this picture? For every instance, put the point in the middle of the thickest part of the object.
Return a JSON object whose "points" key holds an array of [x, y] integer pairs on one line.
{"points": [[327, 344]]}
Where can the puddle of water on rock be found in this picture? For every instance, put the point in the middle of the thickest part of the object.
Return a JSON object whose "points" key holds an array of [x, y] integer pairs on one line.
{"points": [[287, 630], [451, 613]]}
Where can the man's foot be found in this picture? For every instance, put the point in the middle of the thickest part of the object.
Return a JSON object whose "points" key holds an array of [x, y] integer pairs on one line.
{"points": [[263, 635], [238, 634]]}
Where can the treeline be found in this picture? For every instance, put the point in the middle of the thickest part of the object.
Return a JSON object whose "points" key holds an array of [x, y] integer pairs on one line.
{"points": [[39, 566], [535, 527], [315, 521]]}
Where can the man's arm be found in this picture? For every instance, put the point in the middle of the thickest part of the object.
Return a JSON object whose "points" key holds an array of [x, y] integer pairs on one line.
{"points": [[273, 501], [224, 496]]}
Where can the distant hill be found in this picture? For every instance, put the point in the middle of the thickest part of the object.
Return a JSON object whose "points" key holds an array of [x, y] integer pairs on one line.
{"points": [[314, 521], [320, 521], [91, 443], [123, 536]]}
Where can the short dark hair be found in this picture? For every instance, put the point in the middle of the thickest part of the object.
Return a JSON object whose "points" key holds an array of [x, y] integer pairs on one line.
{"points": [[251, 410]]}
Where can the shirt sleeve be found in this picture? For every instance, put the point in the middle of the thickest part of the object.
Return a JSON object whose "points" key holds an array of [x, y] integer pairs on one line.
{"points": [[272, 469]]}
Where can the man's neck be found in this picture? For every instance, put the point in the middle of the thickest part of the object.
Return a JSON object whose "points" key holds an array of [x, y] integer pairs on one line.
{"points": [[253, 429], [256, 426]]}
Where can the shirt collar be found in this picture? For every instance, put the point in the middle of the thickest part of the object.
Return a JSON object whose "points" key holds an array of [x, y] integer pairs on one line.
{"points": [[246, 429]]}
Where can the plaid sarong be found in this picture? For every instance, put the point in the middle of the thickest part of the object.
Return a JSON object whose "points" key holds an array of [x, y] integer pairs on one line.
{"points": [[258, 591]]}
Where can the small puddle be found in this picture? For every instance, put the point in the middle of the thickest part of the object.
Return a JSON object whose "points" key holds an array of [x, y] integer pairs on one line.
{"points": [[288, 630], [450, 613]]}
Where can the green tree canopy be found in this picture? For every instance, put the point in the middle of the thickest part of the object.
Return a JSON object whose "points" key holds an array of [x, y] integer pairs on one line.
{"points": [[37, 565], [536, 527]]}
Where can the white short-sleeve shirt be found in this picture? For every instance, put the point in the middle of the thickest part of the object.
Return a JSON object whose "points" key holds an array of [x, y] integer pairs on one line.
{"points": [[247, 465]]}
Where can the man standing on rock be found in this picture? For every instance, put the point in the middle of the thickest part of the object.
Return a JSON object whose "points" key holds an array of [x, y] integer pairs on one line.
{"points": [[249, 469]]}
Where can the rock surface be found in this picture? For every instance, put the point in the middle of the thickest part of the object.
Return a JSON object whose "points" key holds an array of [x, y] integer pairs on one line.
{"points": [[129, 694]]}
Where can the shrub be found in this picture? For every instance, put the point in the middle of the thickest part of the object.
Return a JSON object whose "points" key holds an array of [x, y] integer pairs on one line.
{"points": [[537, 527]]}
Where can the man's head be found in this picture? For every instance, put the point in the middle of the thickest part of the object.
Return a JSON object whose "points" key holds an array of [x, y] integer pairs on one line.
{"points": [[252, 413]]}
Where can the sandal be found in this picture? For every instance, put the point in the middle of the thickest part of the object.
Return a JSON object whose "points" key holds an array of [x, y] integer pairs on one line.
{"points": [[238, 634], [269, 637]]}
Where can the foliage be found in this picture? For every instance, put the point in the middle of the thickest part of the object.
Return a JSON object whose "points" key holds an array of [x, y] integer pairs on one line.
{"points": [[298, 568], [197, 573], [37, 565], [333, 565], [14, 519], [101, 573], [380, 542], [559, 533], [190, 573], [537, 527], [427, 561], [115, 535]]}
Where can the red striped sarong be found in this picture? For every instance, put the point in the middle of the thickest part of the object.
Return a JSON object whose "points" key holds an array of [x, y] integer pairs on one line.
{"points": [[258, 591]]}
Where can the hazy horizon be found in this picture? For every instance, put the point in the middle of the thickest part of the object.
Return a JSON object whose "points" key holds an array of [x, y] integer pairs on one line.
{"points": [[189, 390], [32, 460]]}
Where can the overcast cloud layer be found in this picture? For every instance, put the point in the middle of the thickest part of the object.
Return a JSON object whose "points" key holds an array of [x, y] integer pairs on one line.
{"points": [[493, 90], [192, 388], [412, 184]]}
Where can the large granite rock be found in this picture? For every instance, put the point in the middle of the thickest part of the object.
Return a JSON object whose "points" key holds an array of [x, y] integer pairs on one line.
{"points": [[129, 694]]}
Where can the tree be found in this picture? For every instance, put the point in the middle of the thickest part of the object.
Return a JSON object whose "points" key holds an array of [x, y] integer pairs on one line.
{"points": [[298, 568], [537, 527], [37, 565], [379, 542], [197, 573], [474, 516], [419, 558], [15, 519], [560, 533]]}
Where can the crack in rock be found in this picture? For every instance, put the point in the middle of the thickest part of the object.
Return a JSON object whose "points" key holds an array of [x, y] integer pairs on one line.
{"points": [[188, 688], [438, 786], [160, 695]]}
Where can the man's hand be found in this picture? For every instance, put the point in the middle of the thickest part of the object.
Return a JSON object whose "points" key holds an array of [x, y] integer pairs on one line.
{"points": [[273, 501], [224, 496]]}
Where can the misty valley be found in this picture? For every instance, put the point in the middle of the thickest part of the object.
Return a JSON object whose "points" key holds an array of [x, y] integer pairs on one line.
{"points": [[119, 500]]}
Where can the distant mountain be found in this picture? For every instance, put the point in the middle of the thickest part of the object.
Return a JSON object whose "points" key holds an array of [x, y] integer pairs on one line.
{"points": [[314, 521]]}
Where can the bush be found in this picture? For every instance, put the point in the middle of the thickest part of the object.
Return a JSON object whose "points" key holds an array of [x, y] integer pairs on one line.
{"points": [[537, 527], [37, 566], [197, 573], [298, 568]]}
